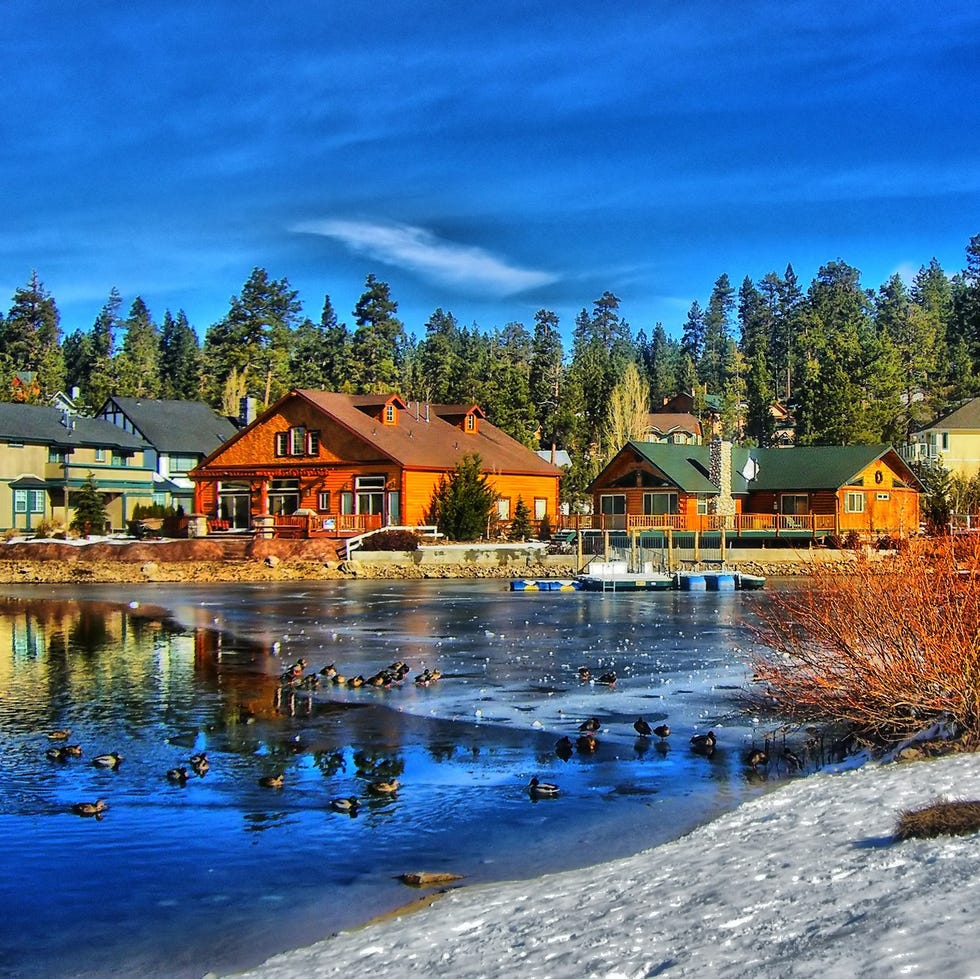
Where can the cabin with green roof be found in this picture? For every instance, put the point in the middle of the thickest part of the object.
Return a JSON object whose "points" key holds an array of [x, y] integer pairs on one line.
{"points": [[803, 492]]}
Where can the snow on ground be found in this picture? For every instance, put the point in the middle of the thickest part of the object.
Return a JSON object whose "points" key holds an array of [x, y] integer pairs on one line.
{"points": [[805, 881]]}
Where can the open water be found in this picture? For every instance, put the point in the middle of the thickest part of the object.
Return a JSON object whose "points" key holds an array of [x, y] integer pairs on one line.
{"points": [[220, 873]]}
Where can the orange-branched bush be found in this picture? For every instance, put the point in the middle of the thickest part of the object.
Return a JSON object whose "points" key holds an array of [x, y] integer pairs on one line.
{"points": [[889, 649]]}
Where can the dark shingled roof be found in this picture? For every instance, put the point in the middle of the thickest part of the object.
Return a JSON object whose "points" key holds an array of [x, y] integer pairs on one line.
{"points": [[964, 418], [41, 425], [188, 427]]}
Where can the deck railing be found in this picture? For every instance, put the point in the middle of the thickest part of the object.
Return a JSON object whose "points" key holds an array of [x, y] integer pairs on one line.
{"points": [[738, 524]]}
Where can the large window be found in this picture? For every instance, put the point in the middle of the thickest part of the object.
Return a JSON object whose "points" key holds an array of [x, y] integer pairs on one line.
{"points": [[794, 504], [370, 492], [540, 508], [659, 504], [283, 496], [854, 503]]}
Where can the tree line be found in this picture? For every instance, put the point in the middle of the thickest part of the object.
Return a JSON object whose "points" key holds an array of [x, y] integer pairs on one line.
{"points": [[853, 364]]}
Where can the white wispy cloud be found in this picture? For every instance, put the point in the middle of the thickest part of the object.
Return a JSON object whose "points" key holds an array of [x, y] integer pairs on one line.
{"points": [[420, 251]]}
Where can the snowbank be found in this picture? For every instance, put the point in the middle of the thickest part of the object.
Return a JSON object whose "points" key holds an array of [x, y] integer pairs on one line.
{"points": [[805, 881]]}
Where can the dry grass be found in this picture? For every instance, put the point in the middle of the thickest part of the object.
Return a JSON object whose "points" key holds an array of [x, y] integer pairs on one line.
{"points": [[941, 818], [888, 650]]}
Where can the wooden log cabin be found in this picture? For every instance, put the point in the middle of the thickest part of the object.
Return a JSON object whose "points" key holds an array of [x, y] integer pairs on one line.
{"points": [[804, 492], [319, 462]]}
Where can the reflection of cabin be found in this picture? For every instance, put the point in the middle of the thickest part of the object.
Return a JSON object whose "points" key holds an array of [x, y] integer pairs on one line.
{"points": [[339, 464], [46, 454], [797, 492]]}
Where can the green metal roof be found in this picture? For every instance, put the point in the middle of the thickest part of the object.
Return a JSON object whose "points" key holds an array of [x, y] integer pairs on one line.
{"points": [[822, 467]]}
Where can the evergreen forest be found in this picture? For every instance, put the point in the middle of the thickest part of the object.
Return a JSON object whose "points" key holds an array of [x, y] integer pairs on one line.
{"points": [[853, 364]]}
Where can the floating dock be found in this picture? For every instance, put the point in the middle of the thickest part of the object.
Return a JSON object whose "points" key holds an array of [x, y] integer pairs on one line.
{"points": [[694, 581]]}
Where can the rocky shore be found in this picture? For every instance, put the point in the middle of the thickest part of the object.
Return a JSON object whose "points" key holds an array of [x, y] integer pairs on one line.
{"points": [[207, 560]]}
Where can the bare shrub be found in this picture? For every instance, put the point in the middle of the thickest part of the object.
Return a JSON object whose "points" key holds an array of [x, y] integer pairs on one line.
{"points": [[941, 818], [889, 649]]}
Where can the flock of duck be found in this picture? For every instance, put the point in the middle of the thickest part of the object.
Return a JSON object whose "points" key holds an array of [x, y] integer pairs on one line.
{"points": [[296, 676]]}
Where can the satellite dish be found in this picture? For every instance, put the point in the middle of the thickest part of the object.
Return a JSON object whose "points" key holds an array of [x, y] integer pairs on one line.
{"points": [[750, 470]]}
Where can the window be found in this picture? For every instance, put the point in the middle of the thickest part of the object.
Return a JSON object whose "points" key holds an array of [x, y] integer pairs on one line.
{"points": [[470, 422], [945, 438], [540, 508], [57, 455], [794, 504], [323, 501], [120, 459], [283, 496], [182, 464], [612, 505], [347, 502], [503, 508], [15, 445], [29, 501], [389, 414], [854, 503], [882, 496], [297, 441], [100, 455], [702, 504], [159, 499], [658, 504]]}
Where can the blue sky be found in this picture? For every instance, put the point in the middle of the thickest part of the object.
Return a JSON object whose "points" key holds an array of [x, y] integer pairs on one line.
{"points": [[491, 159]]}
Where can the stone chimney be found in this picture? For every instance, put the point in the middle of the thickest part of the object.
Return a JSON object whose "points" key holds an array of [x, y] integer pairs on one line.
{"points": [[720, 473]]}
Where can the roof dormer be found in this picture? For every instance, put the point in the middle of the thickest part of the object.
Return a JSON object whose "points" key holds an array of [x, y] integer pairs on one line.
{"points": [[464, 417]]}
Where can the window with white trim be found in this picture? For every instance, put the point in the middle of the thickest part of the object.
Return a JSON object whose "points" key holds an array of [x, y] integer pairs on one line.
{"points": [[323, 501], [659, 504], [540, 508], [854, 503], [503, 508]]}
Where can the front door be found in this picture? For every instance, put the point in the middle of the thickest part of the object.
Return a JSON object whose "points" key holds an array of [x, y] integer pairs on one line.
{"points": [[235, 505]]}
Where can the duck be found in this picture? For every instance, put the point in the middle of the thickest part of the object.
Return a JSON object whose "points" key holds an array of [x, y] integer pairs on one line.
{"points": [[584, 674], [90, 808], [385, 788], [591, 725], [72, 750], [178, 776], [756, 757], [642, 728], [63, 734], [563, 748], [200, 764], [541, 790], [56, 754], [329, 671], [349, 805], [587, 744], [110, 760], [356, 681], [338, 679], [609, 679], [310, 682], [704, 743], [272, 781], [662, 731]]}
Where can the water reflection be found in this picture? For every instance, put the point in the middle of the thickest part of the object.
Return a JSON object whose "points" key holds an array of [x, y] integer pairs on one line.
{"points": [[211, 672]]}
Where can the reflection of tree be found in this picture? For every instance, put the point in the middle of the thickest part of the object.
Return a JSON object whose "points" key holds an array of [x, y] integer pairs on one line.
{"points": [[442, 752], [330, 762], [88, 632], [376, 765]]}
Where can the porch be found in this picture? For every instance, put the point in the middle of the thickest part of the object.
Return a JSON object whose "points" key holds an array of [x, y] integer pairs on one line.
{"points": [[760, 525]]}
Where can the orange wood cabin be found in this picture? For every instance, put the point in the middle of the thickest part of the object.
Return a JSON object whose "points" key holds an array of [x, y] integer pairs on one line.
{"points": [[806, 492], [318, 462]]}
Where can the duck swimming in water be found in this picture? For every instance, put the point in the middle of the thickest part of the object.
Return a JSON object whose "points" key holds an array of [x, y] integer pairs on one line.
{"points": [[563, 748], [178, 776], [272, 781], [62, 734], [200, 764], [385, 788], [609, 679], [90, 808], [348, 806], [755, 758], [110, 760], [541, 790]]}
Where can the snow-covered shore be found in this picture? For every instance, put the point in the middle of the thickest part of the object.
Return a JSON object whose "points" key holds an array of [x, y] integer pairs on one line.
{"points": [[805, 881]]}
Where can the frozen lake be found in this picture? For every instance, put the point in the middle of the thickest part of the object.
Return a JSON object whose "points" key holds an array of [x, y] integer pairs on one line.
{"points": [[220, 873]]}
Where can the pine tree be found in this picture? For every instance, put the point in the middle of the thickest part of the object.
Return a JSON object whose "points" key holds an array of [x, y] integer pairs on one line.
{"points": [[180, 359], [321, 353], [89, 506], [137, 366], [30, 339], [463, 502], [717, 333], [520, 525], [379, 340]]}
